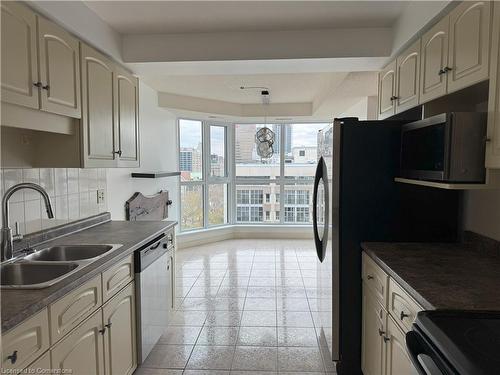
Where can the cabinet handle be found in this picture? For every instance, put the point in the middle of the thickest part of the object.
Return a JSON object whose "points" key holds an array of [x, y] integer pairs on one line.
{"points": [[447, 69], [13, 357], [403, 315], [102, 331], [387, 339], [380, 332], [392, 98], [486, 139], [46, 87], [441, 72], [37, 84], [369, 277], [119, 152], [108, 325]]}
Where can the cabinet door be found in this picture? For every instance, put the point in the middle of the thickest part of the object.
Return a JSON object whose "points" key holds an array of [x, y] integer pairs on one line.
{"points": [[82, 350], [434, 51], [386, 90], [25, 342], [408, 78], [59, 70], [373, 330], [493, 143], [127, 118], [119, 337], [67, 312], [19, 64], [97, 109], [398, 362], [469, 44]]}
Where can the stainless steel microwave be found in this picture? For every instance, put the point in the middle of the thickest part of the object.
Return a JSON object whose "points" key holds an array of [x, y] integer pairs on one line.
{"points": [[448, 147]]}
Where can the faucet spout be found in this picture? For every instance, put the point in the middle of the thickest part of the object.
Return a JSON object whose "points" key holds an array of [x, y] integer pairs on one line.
{"points": [[7, 239]]}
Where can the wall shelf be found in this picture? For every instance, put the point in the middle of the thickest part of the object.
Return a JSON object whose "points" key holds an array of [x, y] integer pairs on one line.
{"points": [[444, 185], [154, 174]]}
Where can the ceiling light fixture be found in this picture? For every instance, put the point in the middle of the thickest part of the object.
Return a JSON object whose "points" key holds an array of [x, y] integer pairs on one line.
{"points": [[264, 138]]}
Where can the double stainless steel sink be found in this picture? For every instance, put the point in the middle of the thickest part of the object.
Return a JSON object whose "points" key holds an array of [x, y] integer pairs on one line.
{"points": [[43, 268]]}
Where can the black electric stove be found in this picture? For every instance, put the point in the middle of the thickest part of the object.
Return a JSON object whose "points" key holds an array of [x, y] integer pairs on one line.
{"points": [[455, 342]]}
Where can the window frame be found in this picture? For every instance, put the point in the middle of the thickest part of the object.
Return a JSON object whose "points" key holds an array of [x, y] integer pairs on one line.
{"points": [[233, 181], [207, 179]]}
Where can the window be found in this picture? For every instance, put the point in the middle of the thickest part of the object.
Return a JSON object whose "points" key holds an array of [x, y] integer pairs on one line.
{"points": [[243, 196], [218, 151], [289, 214], [248, 163], [217, 204], [219, 165], [191, 150], [302, 214], [205, 184]]}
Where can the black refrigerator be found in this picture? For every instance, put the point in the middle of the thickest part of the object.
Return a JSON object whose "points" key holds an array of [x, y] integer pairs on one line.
{"points": [[356, 199]]}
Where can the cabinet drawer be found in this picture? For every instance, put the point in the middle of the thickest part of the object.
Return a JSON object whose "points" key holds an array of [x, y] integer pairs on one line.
{"points": [[26, 342], [117, 277], [402, 307], [73, 308], [375, 279]]}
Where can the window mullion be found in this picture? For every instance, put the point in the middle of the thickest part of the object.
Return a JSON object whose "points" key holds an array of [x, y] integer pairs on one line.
{"points": [[282, 174], [205, 169]]}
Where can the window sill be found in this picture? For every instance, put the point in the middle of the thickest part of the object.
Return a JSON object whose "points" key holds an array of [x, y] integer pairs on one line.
{"points": [[240, 231]]}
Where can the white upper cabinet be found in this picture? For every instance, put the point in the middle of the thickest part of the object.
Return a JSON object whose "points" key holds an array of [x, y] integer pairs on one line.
{"points": [[386, 91], [40, 69], [98, 109], [493, 137], [19, 65], [59, 56], [127, 118], [469, 44], [110, 112], [407, 78], [434, 58], [452, 55]]}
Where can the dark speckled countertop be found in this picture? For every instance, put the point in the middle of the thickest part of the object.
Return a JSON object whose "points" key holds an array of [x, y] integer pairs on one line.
{"points": [[18, 305], [444, 275]]}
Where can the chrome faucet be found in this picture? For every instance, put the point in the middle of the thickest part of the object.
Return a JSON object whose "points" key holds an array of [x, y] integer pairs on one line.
{"points": [[7, 238]]}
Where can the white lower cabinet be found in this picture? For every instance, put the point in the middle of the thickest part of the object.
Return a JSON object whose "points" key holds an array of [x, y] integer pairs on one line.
{"points": [[120, 351], [398, 362], [82, 351], [383, 345], [97, 339], [373, 330], [105, 343]]}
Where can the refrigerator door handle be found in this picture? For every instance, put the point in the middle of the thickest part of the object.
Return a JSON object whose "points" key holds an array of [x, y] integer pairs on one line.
{"points": [[321, 175]]}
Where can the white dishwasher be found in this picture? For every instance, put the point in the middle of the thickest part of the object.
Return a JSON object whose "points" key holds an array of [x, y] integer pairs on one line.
{"points": [[154, 277]]}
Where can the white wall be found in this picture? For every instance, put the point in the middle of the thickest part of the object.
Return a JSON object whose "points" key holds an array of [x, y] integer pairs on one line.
{"points": [[482, 212], [158, 153]]}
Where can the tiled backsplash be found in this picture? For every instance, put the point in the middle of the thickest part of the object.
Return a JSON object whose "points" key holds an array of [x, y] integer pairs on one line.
{"points": [[73, 193]]}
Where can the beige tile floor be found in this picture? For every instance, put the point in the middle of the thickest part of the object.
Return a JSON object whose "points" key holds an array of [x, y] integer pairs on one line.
{"points": [[243, 307]]}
